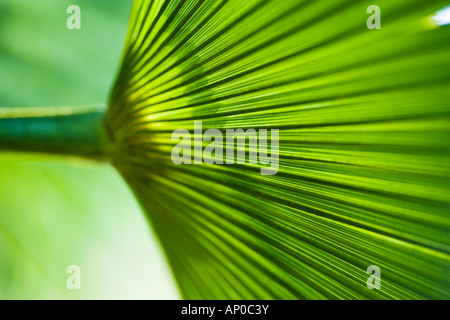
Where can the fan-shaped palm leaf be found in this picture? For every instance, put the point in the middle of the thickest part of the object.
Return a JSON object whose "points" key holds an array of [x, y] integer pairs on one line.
{"points": [[364, 145], [363, 120]]}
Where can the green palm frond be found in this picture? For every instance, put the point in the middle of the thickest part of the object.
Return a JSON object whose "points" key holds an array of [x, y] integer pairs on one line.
{"points": [[364, 145]]}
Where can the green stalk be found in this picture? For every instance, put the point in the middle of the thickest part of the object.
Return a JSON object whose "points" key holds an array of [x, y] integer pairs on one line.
{"points": [[67, 131]]}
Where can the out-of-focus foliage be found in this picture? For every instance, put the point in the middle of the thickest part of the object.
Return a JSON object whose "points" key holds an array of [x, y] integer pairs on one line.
{"points": [[53, 215], [364, 145]]}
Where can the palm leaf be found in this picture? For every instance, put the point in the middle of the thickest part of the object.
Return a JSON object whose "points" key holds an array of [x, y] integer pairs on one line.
{"points": [[364, 145]]}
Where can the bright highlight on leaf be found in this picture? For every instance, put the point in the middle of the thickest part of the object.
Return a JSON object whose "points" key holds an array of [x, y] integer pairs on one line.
{"points": [[364, 145], [442, 17]]}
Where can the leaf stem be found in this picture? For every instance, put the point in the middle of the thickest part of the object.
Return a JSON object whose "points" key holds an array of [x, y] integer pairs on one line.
{"points": [[68, 131]]}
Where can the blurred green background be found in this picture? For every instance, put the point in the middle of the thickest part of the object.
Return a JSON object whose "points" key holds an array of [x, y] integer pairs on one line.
{"points": [[54, 214]]}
